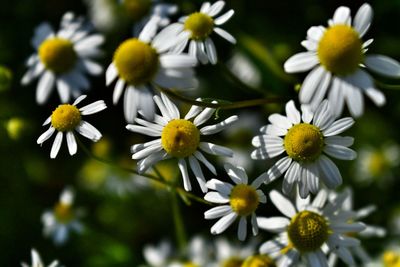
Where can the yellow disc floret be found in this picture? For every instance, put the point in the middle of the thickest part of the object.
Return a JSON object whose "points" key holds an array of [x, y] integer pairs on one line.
{"points": [[244, 199], [232, 262], [190, 264], [58, 55], [200, 25], [180, 138], [391, 259], [136, 61], [304, 142], [340, 50], [259, 261], [137, 9], [307, 231], [63, 212], [65, 118]]}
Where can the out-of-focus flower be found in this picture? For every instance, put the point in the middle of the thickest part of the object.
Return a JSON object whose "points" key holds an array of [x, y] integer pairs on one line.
{"points": [[104, 14], [37, 261], [260, 260], [158, 256], [196, 29], [65, 119], [197, 254], [242, 67], [16, 127], [6, 78], [304, 139], [307, 229], [142, 63], [369, 231], [62, 58], [179, 138], [389, 258], [230, 254], [242, 199], [337, 58], [63, 219], [377, 163]]}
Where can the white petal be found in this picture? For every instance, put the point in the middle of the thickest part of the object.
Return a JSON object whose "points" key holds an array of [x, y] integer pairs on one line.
{"points": [[131, 100], [271, 129], [89, 131], [215, 128], [222, 187], [42, 32], [118, 89], [292, 113], [147, 151], [340, 152], [323, 117], [195, 166], [146, 103], [164, 111], [217, 212], [307, 114], [226, 35], [236, 173], [46, 135], [46, 83], [280, 121], [204, 116], [224, 18], [64, 90], [282, 204], [331, 174], [273, 224], [223, 223], [79, 100], [342, 15], [320, 93], [310, 45], [71, 142], [185, 176], [278, 169], [339, 140], [143, 130], [216, 197], [316, 259], [205, 7], [336, 97], [339, 126], [363, 80], [242, 230], [92, 67], [203, 160], [311, 84], [93, 108], [315, 33], [172, 109], [215, 8], [211, 51], [290, 177], [383, 65], [215, 149], [150, 29], [56, 145], [301, 62], [89, 42], [177, 61], [111, 74], [363, 19]]}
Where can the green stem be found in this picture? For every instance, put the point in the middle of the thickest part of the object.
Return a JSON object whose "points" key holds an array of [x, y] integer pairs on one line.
{"points": [[178, 222], [230, 105], [387, 86]]}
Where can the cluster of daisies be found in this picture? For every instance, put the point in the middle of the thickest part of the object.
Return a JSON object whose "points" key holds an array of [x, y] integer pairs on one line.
{"points": [[317, 225]]}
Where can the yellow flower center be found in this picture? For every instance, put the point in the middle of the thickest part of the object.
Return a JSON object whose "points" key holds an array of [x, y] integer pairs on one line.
{"points": [[180, 138], [340, 50], [304, 142], [200, 25], [58, 55], [391, 259], [377, 164], [65, 118], [137, 9], [63, 212], [259, 261], [244, 199], [307, 231], [137, 62], [190, 264], [232, 262]]}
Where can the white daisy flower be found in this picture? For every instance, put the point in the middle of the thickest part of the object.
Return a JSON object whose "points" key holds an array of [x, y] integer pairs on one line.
{"points": [[63, 58], [63, 219], [240, 200], [37, 261], [141, 63], [197, 27], [337, 60], [179, 138], [197, 254], [308, 229], [369, 231], [305, 140], [65, 119]]}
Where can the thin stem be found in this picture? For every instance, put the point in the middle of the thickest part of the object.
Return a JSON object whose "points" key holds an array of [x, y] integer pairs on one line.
{"points": [[387, 86], [178, 222], [224, 105]]}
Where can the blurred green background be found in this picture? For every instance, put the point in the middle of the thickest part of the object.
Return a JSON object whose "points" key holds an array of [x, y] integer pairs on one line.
{"points": [[117, 227]]}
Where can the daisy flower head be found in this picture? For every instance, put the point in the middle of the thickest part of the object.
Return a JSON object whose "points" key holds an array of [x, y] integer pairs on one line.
{"points": [[65, 119], [142, 63], [305, 138], [369, 231], [179, 138], [231, 254], [63, 219], [338, 63], [240, 199], [196, 30], [37, 261], [63, 58], [308, 229]]}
